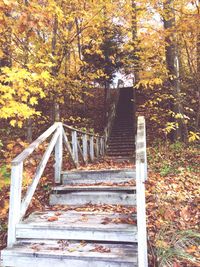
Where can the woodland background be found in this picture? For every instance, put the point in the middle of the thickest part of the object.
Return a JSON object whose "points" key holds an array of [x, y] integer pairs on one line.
{"points": [[58, 61]]}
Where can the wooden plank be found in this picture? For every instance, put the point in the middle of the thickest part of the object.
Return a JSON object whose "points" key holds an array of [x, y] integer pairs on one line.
{"points": [[85, 147], [36, 260], [68, 146], [141, 176], [75, 253], [75, 147], [59, 155], [106, 174], [80, 151], [78, 234], [96, 198], [97, 147], [92, 148], [39, 171], [79, 131], [102, 146], [94, 181], [68, 219], [62, 189], [21, 157], [15, 201]]}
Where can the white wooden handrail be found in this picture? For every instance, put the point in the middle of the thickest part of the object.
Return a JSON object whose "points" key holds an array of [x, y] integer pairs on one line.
{"points": [[80, 131], [18, 207], [91, 146], [29, 150], [83, 145], [141, 177]]}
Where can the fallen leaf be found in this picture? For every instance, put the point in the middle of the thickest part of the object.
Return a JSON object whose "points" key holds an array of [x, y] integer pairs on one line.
{"points": [[52, 219]]}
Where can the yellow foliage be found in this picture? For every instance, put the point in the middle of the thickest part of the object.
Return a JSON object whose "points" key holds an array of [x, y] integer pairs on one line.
{"points": [[193, 136]]}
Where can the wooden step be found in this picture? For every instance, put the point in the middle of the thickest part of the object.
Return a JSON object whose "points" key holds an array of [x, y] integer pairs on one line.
{"points": [[120, 159], [120, 148], [126, 137], [124, 143], [118, 153], [117, 134], [106, 188], [123, 131], [71, 225], [122, 128], [94, 197], [94, 176], [58, 253]]}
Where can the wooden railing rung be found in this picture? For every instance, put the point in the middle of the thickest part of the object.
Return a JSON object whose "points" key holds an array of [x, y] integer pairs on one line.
{"points": [[39, 171]]}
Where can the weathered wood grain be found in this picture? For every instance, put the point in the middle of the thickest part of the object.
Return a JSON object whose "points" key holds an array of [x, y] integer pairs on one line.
{"points": [[99, 197], [75, 147], [92, 148], [74, 253], [15, 202], [85, 147], [58, 155]]}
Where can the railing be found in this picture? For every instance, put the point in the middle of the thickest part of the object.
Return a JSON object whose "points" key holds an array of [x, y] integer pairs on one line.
{"points": [[85, 146], [78, 143], [112, 113], [141, 177]]}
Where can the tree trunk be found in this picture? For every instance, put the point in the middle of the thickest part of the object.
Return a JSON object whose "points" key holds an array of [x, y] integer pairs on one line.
{"points": [[198, 67], [135, 42], [55, 107], [172, 62], [6, 38], [135, 59]]}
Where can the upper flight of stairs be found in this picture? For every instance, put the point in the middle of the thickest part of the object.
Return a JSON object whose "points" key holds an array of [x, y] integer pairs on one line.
{"points": [[91, 221], [121, 141]]}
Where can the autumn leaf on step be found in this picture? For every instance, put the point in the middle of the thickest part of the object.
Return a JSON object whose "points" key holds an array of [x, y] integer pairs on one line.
{"points": [[35, 247], [58, 213], [84, 218], [191, 249], [106, 220], [53, 219], [71, 249], [101, 249]]}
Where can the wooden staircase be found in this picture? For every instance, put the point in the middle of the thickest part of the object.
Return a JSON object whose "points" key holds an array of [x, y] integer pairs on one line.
{"points": [[76, 236], [121, 141], [94, 218]]}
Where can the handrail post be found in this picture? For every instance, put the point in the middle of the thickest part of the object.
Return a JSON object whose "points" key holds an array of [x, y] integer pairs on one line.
{"points": [[85, 152], [15, 202], [75, 146], [91, 148], [141, 177], [101, 146], [97, 147], [59, 154]]}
